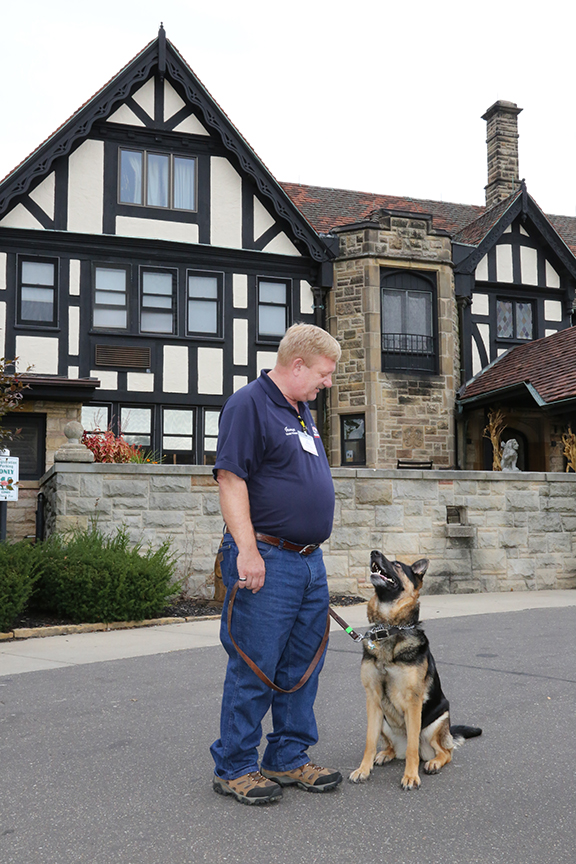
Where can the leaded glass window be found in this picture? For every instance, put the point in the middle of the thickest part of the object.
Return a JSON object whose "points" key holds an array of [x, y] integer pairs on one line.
{"points": [[514, 320], [136, 425], [95, 418]]}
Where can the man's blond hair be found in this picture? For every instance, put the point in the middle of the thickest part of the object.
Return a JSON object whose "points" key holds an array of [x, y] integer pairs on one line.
{"points": [[308, 342]]}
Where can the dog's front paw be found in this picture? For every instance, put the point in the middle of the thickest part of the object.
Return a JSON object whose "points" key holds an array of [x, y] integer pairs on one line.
{"points": [[432, 767], [410, 782], [384, 756], [359, 776]]}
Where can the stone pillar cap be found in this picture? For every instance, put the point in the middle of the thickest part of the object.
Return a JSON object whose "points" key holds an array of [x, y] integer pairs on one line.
{"points": [[73, 450]]}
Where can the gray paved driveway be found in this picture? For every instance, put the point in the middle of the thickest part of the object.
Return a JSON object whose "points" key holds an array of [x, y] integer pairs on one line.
{"points": [[108, 763]]}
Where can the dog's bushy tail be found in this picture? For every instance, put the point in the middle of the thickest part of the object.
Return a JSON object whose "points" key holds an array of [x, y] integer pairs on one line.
{"points": [[461, 733]]}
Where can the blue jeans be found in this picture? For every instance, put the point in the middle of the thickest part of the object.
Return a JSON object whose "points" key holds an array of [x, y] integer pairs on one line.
{"points": [[279, 628]]}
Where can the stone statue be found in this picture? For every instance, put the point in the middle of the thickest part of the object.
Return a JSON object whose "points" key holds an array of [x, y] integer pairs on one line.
{"points": [[509, 455]]}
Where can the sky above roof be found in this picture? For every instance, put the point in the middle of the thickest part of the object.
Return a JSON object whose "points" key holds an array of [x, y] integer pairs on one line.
{"points": [[380, 97]]}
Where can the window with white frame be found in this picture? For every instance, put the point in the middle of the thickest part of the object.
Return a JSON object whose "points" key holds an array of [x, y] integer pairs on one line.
{"points": [[157, 180], [178, 436], [273, 317], [37, 291], [110, 298], [211, 419], [158, 301], [95, 418], [205, 303], [136, 425]]}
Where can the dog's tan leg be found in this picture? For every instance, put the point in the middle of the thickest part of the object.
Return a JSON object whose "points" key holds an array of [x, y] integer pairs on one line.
{"points": [[373, 732], [413, 717], [387, 754]]}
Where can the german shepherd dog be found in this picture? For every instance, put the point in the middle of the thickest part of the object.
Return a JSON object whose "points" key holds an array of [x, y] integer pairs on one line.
{"points": [[404, 700]]}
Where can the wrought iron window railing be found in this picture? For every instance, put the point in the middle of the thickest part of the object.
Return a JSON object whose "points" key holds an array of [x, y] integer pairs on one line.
{"points": [[410, 351]]}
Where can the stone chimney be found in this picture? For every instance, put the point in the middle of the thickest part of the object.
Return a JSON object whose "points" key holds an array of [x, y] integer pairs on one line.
{"points": [[502, 139]]}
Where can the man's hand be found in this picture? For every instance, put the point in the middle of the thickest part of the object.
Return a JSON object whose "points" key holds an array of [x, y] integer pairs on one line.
{"points": [[235, 506], [251, 568]]}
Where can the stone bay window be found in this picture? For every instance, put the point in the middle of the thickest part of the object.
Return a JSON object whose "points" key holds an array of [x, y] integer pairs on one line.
{"points": [[408, 321]]}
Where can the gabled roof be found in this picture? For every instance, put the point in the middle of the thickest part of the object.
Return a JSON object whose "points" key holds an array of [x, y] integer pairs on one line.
{"points": [[161, 54], [482, 234], [475, 232], [546, 368]]}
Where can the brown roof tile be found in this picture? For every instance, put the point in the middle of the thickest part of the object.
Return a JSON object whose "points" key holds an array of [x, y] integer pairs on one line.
{"points": [[548, 364], [474, 233], [327, 208]]}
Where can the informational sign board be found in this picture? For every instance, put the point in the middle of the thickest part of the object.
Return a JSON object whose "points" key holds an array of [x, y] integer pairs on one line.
{"points": [[9, 478]]}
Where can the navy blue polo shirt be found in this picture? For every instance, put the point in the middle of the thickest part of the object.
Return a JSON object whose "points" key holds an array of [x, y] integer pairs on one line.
{"points": [[290, 490]]}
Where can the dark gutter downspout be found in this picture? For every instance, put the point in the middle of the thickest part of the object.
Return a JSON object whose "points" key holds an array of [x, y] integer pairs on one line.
{"points": [[321, 402], [459, 427]]}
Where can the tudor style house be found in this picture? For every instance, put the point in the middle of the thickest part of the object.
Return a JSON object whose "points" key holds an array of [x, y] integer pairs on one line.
{"points": [[149, 265]]}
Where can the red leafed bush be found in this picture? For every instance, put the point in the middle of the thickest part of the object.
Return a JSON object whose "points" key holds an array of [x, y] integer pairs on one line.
{"points": [[108, 447]]}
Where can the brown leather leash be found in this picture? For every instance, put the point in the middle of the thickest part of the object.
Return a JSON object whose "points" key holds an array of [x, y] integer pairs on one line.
{"points": [[315, 660]]}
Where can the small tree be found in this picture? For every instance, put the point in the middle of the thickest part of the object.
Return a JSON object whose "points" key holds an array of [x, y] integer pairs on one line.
{"points": [[493, 431], [11, 394]]}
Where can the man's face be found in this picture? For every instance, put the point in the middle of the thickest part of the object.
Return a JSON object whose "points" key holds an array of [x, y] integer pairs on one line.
{"points": [[312, 378]]}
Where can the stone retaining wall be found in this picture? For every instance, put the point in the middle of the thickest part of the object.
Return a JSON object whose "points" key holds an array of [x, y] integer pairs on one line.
{"points": [[506, 531]]}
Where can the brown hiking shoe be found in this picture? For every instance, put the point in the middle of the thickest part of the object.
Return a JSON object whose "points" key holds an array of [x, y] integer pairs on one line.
{"points": [[251, 788], [311, 777]]}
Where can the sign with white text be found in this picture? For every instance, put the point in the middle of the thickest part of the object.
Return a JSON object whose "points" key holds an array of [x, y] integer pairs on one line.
{"points": [[9, 478]]}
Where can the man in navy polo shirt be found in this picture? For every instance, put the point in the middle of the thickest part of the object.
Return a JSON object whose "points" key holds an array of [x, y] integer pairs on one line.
{"points": [[277, 499]]}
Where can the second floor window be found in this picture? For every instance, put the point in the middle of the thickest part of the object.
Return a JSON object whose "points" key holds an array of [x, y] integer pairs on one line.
{"points": [[408, 321], [157, 180], [110, 301], [157, 313], [204, 304], [272, 309], [37, 296], [514, 320]]}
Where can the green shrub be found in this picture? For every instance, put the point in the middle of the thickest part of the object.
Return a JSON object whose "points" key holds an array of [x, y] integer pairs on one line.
{"points": [[18, 565], [90, 577]]}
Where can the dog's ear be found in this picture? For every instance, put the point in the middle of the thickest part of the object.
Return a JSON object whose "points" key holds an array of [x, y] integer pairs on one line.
{"points": [[420, 567]]}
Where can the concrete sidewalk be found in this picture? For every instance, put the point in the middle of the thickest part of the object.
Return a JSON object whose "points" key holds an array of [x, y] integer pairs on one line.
{"points": [[37, 654]]}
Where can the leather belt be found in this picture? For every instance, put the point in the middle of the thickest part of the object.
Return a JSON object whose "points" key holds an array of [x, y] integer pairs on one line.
{"points": [[286, 544]]}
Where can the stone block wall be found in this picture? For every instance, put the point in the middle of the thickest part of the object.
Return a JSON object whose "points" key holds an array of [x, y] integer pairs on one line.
{"points": [[513, 531], [517, 531], [408, 414]]}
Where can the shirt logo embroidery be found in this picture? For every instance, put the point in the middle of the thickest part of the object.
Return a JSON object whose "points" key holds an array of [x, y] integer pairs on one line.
{"points": [[315, 432], [289, 431]]}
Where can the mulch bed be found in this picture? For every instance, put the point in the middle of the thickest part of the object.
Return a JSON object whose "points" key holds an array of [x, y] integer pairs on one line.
{"points": [[183, 608]]}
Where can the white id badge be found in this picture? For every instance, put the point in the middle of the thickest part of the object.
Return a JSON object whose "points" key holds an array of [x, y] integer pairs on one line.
{"points": [[307, 443]]}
